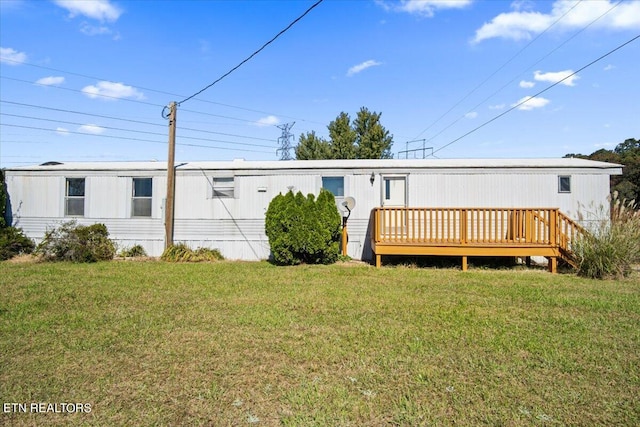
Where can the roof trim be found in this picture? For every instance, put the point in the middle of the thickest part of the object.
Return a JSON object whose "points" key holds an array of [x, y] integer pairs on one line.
{"points": [[544, 163]]}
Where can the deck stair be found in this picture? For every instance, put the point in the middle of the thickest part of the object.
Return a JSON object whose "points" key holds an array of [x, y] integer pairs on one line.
{"points": [[464, 232]]}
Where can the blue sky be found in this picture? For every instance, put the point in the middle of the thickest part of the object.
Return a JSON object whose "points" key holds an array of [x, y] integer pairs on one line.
{"points": [[87, 80]]}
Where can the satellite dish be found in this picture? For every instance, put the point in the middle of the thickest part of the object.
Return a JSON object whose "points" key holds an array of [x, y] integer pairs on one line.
{"points": [[349, 203]]}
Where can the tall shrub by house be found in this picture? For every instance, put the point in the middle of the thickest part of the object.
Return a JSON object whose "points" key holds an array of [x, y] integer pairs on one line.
{"points": [[303, 229]]}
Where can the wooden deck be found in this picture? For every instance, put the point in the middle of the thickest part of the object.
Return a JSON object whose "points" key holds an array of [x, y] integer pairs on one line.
{"points": [[465, 232]]}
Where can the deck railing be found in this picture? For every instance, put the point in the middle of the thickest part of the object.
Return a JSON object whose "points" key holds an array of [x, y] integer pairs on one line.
{"points": [[506, 227]]}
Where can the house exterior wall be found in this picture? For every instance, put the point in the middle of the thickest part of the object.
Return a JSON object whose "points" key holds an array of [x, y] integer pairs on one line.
{"points": [[235, 225]]}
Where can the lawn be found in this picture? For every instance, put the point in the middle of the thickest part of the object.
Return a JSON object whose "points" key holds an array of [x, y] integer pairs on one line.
{"points": [[232, 343]]}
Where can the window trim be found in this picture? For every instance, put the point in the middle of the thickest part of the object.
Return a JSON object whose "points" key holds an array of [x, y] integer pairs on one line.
{"points": [[333, 177], [218, 191], [68, 198], [567, 179], [385, 184], [135, 198]]}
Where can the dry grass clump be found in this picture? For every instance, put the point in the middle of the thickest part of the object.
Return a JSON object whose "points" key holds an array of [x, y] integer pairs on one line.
{"points": [[183, 253], [612, 246]]}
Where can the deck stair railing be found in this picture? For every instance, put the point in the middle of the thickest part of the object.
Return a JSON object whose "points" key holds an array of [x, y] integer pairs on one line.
{"points": [[487, 230]]}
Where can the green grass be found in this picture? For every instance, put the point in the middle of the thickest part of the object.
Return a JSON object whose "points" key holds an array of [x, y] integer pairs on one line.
{"points": [[155, 343]]}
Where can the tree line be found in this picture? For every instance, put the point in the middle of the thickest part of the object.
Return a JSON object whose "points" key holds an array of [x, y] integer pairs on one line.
{"points": [[626, 153]]}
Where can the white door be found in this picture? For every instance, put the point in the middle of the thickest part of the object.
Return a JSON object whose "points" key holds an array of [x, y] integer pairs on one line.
{"points": [[394, 191]]}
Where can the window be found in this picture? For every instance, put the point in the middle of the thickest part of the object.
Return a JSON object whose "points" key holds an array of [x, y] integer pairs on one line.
{"points": [[223, 187], [564, 184], [335, 184], [141, 200], [74, 197]]}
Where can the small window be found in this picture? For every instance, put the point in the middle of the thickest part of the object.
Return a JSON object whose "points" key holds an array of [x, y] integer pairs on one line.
{"points": [[564, 184], [335, 184], [141, 200], [223, 187], [74, 197]]}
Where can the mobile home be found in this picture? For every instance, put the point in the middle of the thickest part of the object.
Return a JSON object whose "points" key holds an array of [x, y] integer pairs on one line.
{"points": [[222, 204]]}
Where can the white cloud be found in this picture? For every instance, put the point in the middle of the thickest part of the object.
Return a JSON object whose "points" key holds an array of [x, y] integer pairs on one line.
{"points": [[361, 67], [425, 8], [555, 77], [110, 90], [471, 115], [101, 10], [92, 129], [92, 30], [609, 67], [50, 81], [497, 107], [12, 57], [267, 121], [526, 85], [529, 103], [522, 5], [519, 25], [62, 131]]}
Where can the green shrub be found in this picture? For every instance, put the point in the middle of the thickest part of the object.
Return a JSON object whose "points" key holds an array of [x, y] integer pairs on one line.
{"points": [[77, 243], [183, 253], [303, 229], [133, 252], [13, 242], [612, 246]]}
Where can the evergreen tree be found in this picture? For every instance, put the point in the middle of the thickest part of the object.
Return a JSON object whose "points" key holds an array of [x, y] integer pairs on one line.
{"points": [[343, 138], [311, 147], [364, 138], [373, 140]]}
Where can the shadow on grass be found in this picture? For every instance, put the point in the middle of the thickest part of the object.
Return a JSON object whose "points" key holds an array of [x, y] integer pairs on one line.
{"points": [[455, 262]]}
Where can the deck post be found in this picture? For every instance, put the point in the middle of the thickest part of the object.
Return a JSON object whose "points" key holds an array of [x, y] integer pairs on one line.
{"points": [[553, 264], [464, 263], [378, 260]]}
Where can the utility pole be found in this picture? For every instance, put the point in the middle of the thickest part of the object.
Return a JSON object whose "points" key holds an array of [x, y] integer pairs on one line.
{"points": [[284, 141], [171, 177]]}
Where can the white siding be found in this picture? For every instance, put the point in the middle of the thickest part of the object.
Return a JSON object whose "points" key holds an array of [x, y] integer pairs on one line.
{"points": [[235, 225], [36, 196]]}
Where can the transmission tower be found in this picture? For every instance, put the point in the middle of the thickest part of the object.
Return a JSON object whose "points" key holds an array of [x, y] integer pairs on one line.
{"points": [[285, 141]]}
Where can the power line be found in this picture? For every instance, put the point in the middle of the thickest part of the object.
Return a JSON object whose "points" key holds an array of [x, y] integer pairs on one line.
{"points": [[135, 139], [155, 91], [253, 54], [126, 120], [497, 71], [134, 130], [62, 110], [539, 93], [137, 101], [521, 73]]}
